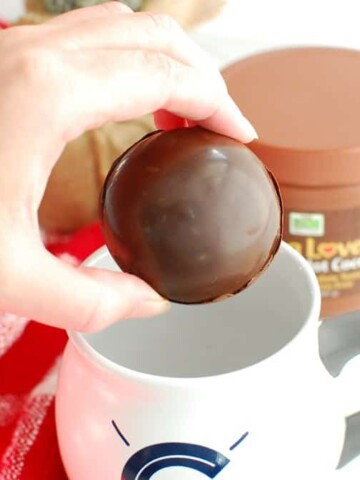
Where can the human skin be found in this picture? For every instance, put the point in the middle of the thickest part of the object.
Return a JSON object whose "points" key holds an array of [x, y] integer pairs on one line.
{"points": [[70, 74]]}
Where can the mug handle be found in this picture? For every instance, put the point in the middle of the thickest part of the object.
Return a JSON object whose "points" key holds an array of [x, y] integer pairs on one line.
{"points": [[339, 341]]}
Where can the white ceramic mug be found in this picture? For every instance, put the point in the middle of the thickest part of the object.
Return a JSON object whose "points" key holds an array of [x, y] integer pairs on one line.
{"points": [[234, 390]]}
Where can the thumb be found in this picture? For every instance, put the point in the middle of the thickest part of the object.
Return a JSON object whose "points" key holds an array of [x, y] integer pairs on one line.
{"points": [[82, 299]]}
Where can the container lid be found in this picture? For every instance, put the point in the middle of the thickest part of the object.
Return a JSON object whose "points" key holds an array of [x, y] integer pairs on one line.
{"points": [[305, 106]]}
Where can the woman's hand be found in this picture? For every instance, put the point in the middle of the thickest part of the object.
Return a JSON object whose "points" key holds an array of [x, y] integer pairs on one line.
{"points": [[57, 80]]}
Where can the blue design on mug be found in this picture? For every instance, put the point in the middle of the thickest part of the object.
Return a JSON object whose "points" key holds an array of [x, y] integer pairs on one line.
{"points": [[149, 460]]}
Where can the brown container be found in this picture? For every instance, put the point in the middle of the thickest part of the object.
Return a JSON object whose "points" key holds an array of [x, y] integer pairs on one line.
{"points": [[305, 105]]}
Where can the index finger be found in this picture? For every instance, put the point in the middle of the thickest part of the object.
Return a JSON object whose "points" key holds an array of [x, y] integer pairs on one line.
{"points": [[227, 119]]}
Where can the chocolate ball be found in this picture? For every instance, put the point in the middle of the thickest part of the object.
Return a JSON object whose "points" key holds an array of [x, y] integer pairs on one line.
{"points": [[193, 213]]}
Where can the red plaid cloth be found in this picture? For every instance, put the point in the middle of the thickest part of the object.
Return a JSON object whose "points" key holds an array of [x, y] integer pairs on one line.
{"points": [[29, 361]]}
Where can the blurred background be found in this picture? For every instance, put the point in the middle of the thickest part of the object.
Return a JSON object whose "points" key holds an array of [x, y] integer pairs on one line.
{"points": [[247, 26]]}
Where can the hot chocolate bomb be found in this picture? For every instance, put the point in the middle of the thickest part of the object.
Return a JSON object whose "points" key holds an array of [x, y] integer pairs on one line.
{"points": [[193, 213]]}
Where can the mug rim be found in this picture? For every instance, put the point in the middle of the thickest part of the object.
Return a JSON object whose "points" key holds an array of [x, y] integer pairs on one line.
{"points": [[90, 353]]}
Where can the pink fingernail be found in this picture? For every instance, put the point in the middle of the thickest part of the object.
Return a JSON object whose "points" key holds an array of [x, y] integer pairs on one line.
{"points": [[246, 131], [149, 308]]}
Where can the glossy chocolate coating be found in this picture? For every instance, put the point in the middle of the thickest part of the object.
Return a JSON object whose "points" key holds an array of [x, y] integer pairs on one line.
{"points": [[193, 213]]}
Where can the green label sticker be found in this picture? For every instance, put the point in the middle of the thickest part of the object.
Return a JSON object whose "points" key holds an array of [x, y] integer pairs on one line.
{"points": [[304, 224]]}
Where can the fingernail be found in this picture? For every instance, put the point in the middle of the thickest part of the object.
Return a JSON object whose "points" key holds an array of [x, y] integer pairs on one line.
{"points": [[149, 308], [246, 131], [161, 306], [250, 130]]}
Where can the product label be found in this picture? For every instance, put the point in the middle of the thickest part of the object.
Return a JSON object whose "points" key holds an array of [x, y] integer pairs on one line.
{"points": [[307, 224], [331, 244]]}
